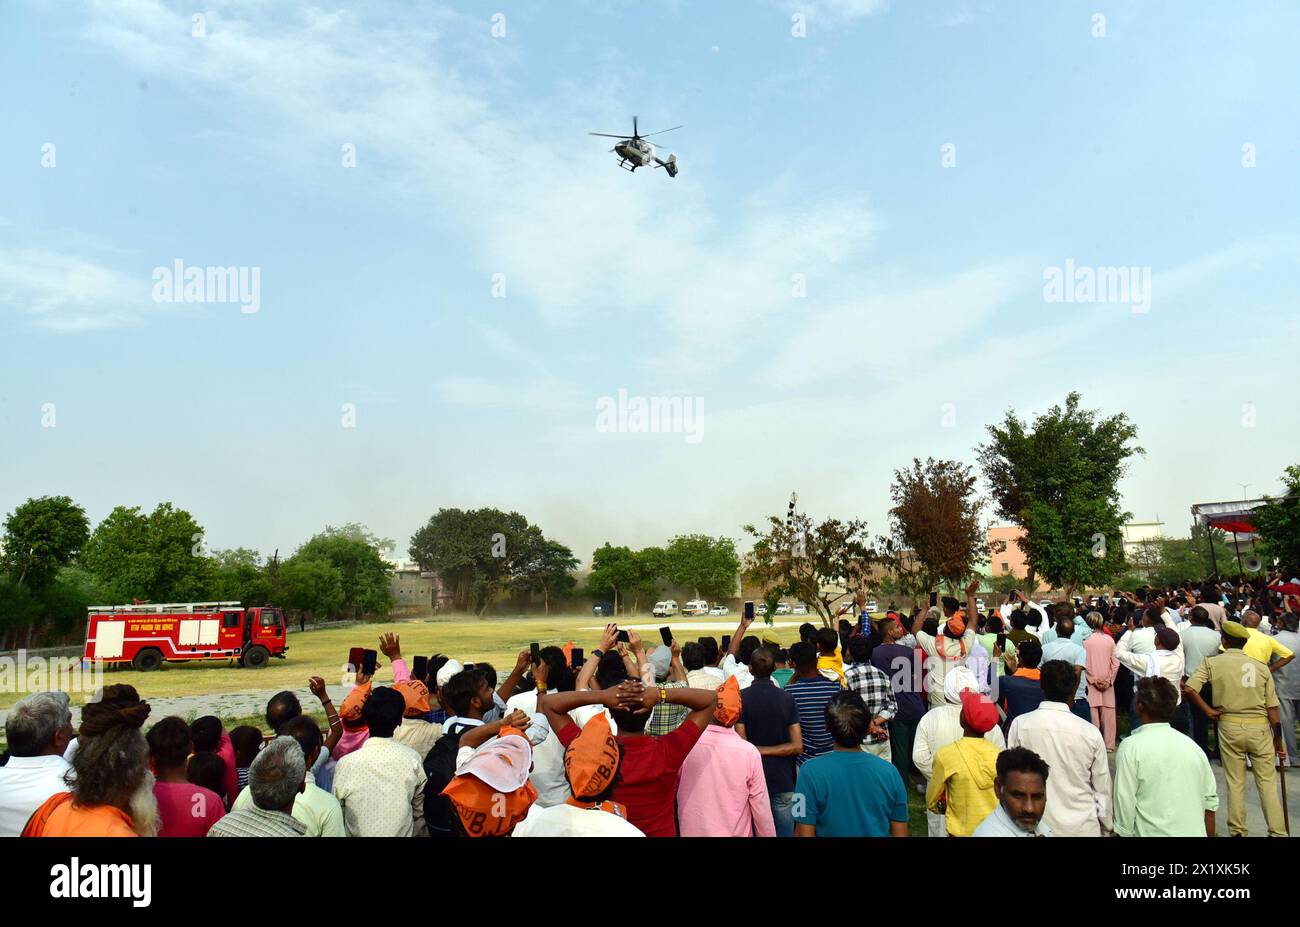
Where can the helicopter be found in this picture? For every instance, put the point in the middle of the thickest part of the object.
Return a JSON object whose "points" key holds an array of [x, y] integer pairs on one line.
{"points": [[638, 152]]}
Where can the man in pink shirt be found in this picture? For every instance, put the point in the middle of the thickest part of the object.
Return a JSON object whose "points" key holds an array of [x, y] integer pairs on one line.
{"points": [[722, 791], [210, 737], [1101, 670], [184, 809]]}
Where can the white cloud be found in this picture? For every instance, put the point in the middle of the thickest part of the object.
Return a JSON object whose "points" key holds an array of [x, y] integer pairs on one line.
{"points": [[536, 395], [836, 11], [69, 293]]}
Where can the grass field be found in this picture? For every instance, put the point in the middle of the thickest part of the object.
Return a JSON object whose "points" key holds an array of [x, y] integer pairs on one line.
{"points": [[323, 652]]}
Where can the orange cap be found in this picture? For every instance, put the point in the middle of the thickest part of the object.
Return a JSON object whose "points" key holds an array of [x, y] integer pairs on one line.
{"points": [[592, 760], [957, 625], [416, 695], [350, 710], [486, 810], [482, 812], [728, 711]]}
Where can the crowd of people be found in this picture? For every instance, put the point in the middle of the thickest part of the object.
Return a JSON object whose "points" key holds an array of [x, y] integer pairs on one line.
{"points": [[1006, 722]]}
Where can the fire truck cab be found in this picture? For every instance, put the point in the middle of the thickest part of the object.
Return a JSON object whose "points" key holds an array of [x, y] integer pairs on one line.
{"points": [[146, 635]]}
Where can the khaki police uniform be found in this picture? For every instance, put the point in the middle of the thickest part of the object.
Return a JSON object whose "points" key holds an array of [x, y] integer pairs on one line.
{"points": [[1243, 690]]}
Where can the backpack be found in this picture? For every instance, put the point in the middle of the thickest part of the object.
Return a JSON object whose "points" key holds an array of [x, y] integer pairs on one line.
{"points": [[440, 768]]}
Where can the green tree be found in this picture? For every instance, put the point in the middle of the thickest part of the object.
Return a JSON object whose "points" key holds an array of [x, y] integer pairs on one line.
{"points": [[1075, 542], [812, 562], [66, 601], [312, 585], [477, 553], [363, 572], [548, 569], [239, 575], [1224, 556], [1003, 583], [19, 609], [625, 576], [615, 572], [356, 531], [1059, 480], [41, 536], [650, 566], [1278, 523], [702, 563], [155, 558]]}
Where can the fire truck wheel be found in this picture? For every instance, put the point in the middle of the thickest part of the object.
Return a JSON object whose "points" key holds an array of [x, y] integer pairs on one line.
{"points": [[257, 657], [146, 661]]}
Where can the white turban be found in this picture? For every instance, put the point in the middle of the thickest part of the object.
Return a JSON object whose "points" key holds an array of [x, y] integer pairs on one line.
{"points": [[958, 679]]}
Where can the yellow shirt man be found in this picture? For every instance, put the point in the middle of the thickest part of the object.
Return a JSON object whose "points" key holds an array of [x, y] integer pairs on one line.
{"points": [[1264, 647], [961, 782], [832, 666], [963, 776]]}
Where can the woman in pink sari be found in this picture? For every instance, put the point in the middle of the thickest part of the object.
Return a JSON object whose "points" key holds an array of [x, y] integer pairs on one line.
{"points": [[1102, 667]]}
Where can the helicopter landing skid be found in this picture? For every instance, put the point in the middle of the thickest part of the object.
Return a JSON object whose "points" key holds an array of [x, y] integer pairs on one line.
{"points": [[630, 170]]}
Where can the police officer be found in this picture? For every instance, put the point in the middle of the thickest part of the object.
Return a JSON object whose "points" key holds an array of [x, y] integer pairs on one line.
{"points": [[1246, 708]]}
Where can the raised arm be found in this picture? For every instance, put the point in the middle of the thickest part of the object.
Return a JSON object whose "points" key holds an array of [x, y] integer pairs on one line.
{"points": [[677, 669], [557, 705], [636, 647], [700, 702], [391, 646], [972, 613], [919, 618], [588, 671], [475, 736], [317, 686], [741, 628], [1125, 655], [511, 685]]}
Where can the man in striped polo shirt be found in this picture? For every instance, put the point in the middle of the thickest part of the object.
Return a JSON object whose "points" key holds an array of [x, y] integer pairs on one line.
{"points": [[811, 691]]}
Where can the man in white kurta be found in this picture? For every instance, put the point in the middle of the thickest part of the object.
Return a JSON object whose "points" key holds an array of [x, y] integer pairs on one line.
{"points": [[940, 727], [1078, 789]]}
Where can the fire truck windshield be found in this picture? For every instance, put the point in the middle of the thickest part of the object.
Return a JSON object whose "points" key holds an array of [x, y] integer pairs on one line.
{"points": [[270, 617]]}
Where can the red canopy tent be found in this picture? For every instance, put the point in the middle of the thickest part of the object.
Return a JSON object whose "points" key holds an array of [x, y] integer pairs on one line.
{"points": [[1234, 517]]}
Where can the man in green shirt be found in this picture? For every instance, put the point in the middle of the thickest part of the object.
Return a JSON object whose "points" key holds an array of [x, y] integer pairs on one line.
{"points": [[1164, 786], [318, 811]]}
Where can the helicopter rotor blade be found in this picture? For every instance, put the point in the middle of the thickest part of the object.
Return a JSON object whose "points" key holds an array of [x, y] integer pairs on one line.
{"points": [[634, 129], [607, 135], [660, 132]]}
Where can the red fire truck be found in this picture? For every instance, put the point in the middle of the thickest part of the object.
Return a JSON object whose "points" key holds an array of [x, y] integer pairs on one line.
{"points": [[146, 635]]}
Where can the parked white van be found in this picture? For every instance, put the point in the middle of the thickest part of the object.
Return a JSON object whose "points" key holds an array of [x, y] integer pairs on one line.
{"points": [[665, 609], [696, 607]]}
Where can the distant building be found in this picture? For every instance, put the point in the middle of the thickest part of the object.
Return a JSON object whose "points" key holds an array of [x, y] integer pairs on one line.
{"points": [[415, 589], [1138, 531], [1010, 561]]}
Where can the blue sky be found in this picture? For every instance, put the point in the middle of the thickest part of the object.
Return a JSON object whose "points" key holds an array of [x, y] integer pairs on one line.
{"points": [[924, 318]]}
